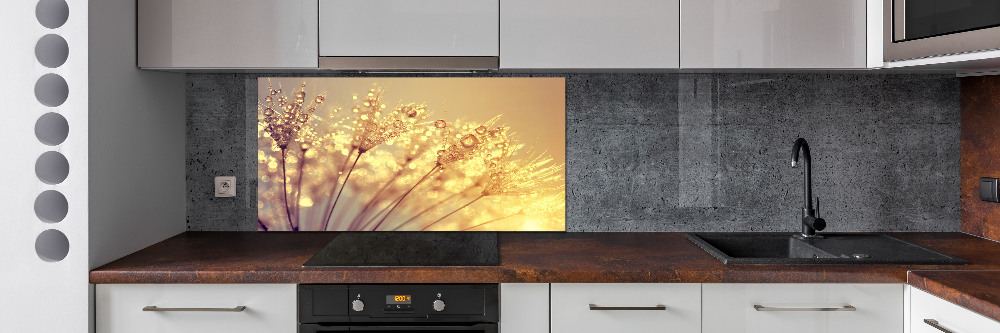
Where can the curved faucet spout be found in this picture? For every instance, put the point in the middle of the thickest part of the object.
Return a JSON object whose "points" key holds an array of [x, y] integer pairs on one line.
{"points": [[803, 146], [810, 222]]}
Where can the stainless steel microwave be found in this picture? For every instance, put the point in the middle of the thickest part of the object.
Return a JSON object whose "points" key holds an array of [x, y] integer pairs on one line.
{"points": [[927, 28]]}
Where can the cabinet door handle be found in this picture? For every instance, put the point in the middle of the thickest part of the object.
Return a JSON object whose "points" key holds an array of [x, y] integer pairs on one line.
{"points": [[935, 324], [629, 308], [233, 309], [759, 307]]}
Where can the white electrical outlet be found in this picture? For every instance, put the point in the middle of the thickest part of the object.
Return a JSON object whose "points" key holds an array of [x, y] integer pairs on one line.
{"points": [[225, 186]]}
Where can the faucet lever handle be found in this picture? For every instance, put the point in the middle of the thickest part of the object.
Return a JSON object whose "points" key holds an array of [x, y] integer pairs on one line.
{"points": [[817, 206]]}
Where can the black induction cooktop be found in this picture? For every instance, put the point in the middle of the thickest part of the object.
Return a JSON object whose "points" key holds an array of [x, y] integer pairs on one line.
{"points": [[386, 248]]}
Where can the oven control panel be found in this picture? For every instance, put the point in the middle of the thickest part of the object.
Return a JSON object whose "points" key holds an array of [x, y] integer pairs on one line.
{"points": [[395, 303], [408, 299], [399, 303]]}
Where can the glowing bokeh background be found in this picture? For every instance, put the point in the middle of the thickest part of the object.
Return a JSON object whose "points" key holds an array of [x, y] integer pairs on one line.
{"points": [[474, 154]]}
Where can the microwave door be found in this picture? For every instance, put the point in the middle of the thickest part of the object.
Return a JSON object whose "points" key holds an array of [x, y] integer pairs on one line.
{"points": [[914, 29], [916, 19]]}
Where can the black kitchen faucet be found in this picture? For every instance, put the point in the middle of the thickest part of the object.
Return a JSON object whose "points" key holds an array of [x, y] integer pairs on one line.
{"points": [[810, 222]]}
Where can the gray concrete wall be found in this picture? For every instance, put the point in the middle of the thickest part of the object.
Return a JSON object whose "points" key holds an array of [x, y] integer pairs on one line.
{"points": [[682, 152]]}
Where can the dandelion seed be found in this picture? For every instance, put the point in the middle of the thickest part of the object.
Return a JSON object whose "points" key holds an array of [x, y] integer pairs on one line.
{"points": [[531, 175], [283, 128]]}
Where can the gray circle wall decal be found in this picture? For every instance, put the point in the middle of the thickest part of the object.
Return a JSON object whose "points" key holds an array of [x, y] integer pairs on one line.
{"points": [[51, 206], [51, 51], [52, 167], [51, 129], [52, 245], [51, 90], [52, 13]]}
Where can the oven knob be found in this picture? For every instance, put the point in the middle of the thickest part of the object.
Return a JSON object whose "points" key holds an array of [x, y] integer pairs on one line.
{"points": [[358, 305], [438, 305]]}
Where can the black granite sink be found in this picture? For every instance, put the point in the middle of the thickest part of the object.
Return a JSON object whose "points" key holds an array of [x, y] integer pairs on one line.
{"points": [[786, 248]]}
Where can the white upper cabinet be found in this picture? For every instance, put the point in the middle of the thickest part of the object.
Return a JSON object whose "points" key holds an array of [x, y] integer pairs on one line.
{"points": [[227, 34], [512, 34], [778, 33], [409, 28], [589, 34]]}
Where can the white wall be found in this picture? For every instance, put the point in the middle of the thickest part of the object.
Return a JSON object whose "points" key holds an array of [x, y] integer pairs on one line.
{"points": [[137, 132], [38, 295], [125, 126]]}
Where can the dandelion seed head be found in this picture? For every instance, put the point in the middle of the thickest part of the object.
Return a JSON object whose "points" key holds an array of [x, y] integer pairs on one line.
{"points": [[374, 127], [401, 144], [526, 176], [286, 126]]}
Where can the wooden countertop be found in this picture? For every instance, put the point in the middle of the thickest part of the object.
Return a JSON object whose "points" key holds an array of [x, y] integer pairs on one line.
{"points": [[277, 257]]}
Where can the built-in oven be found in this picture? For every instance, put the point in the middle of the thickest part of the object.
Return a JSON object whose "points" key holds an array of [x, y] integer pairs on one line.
{"points": [[389, 308], [927, 28]]}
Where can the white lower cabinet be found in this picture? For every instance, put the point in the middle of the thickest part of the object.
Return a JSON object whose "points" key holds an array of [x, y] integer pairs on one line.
{"points": [[802, 308], [626, 307], [570, 308], [930, 314], [196, 308], [524, 308]]}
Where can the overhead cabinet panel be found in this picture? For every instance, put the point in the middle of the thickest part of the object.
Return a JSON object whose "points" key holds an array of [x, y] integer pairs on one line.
{"points": [[773, 34], [227, 34], [409, 28], [589, 34]]}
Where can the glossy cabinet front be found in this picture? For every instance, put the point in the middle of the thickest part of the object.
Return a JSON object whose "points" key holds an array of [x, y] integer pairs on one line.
{"points": [[774, 34], [626, 307], [196, 308], [409, 28], [930, 314], [524, 308], [802, 308], [577, 34], [225, 34]]}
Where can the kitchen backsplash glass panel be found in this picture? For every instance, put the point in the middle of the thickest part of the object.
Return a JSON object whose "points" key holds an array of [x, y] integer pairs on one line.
{"points": [[674, 152], [411, 154]]}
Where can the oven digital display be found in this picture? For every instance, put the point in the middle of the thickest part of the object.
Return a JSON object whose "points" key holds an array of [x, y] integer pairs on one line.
{"points": [[397, 299]]}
